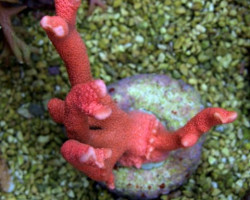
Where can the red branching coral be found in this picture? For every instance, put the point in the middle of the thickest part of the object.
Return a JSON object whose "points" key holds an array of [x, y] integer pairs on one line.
{"points": [[100, 133]]}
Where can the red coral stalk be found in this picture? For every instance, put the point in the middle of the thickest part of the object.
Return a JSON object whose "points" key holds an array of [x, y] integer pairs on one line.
{"points": [[100, 133], [62, 32]]}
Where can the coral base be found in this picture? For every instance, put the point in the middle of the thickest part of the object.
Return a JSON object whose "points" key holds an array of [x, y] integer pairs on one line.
{"points": [[174, 103]]}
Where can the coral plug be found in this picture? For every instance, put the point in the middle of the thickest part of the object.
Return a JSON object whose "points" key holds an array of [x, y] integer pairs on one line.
{"points": [[100, 133]]}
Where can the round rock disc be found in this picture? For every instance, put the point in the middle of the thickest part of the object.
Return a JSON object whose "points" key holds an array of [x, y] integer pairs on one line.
{"points": [[173, 103]]}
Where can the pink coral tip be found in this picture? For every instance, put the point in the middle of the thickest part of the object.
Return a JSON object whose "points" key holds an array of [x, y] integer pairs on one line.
{"points": [[189, 140], [226, 119], [111, 186], [44, 22], [56, 25], [102, 87], [103, 113]]}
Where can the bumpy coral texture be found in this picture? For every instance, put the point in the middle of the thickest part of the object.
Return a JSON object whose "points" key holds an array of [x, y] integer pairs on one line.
{"points": [[100, 133]]}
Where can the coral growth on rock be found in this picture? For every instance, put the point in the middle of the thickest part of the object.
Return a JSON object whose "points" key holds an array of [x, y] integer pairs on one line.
{"points": [[100, 133], [173, 103]]}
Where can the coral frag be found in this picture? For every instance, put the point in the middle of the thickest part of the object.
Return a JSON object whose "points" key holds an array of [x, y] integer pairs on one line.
{"points": [[99, 131], [157, 94]]}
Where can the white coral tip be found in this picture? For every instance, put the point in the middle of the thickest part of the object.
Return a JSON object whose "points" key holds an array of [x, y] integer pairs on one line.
{"points": [[44, 22]]}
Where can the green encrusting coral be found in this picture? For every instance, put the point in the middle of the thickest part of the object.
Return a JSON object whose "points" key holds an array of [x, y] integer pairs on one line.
{"points": [[204, 43]]}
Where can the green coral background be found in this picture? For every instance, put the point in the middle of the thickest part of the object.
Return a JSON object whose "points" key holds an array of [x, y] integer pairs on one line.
{"points": [[204, 43]]}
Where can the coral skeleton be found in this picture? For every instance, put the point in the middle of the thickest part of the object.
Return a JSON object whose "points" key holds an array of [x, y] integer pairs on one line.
{"points": [[100, 133]]}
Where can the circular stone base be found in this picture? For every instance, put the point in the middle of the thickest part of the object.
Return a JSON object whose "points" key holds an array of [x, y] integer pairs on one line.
{"points": [[174, 103]]}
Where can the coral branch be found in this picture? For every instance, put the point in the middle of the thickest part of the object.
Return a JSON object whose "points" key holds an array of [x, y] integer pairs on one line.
{"points": [[188, 135], [87, 159], [63, 34], [203, 122], [56, 110], [67, 10], [100, 133]]}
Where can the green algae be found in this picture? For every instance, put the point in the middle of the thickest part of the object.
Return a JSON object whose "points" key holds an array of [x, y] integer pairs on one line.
{"points": [[207, 46], [174, 104]]}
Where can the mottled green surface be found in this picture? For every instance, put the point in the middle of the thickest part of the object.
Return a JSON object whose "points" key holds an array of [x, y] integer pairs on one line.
{"points": [[171, 101], [201, 42]]}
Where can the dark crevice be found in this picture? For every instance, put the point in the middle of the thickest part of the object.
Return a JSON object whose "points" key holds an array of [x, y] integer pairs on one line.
{"points": [[95, 128]]}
